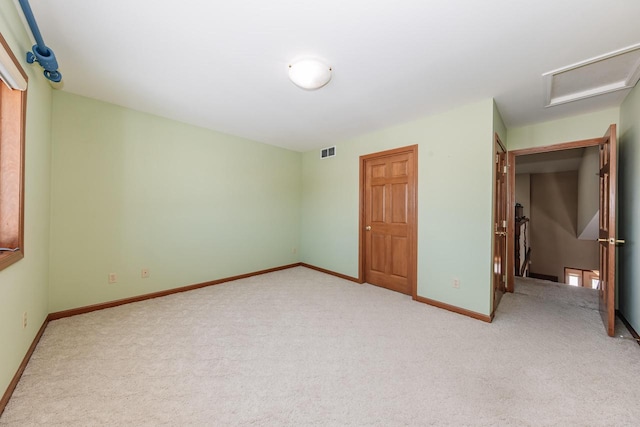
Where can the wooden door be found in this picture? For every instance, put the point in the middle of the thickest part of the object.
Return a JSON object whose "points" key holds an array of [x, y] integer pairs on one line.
{"points": [[607, 236], [389, 219], [500, 223]]}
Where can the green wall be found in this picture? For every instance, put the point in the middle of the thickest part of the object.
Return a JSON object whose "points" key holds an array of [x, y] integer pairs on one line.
{"points": [[629, 208], [454, 203], [132, 191], [585, 126], [498, 124], [24, 285]]}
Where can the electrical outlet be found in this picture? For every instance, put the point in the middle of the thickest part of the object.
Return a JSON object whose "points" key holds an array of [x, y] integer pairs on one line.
{"points": [[24, 320], [113, 277], [144, 273], [456, 283]]}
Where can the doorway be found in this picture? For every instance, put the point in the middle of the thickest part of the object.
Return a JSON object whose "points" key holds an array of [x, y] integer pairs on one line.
{"points": [[556, 195], [388, 219], [606, 224]]}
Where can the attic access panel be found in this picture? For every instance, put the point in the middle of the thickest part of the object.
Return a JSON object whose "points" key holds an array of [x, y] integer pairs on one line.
{"points": [[596, 76]]}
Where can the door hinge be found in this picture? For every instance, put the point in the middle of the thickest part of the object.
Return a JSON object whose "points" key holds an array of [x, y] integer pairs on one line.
{"points": [[504, 223], [504, 169]]}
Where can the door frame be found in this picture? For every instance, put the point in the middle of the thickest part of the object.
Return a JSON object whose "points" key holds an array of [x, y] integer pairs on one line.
{"points": [[506, 200], [413, 258], [511, 189]]}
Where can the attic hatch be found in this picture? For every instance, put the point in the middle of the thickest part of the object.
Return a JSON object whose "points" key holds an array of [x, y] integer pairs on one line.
{"points": [[596, 76], [328, 152]]}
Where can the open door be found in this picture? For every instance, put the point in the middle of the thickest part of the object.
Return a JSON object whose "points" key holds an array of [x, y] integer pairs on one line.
{"points": [[607, 236], [499, 224]]}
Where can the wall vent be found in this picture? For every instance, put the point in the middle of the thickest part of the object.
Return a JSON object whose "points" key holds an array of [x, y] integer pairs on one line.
{"points": [[328, 152]]}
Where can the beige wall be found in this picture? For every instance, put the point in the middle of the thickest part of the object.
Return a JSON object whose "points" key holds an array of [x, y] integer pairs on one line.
{"points": [[554, 205], [523, 196], [589, 194], [523, 192]]}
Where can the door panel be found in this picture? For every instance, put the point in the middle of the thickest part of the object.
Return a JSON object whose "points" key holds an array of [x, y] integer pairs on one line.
{"points": [[378, 252], [378, 170], [399, 168], [607, 236], [389, 219], [399, 256], [377, 203], [399, 203]]}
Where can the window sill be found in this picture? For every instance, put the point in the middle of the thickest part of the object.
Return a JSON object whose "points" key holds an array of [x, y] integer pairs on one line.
{"points": [[8, 258]]}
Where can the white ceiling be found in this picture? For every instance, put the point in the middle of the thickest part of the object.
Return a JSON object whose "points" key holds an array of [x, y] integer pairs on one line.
{"points": [[223, 64]]}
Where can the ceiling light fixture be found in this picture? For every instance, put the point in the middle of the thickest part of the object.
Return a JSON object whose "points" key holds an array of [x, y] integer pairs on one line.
{"points": [[309, 74]]}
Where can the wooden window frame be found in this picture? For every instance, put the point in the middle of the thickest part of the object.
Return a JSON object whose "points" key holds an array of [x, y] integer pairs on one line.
{"points": [[586, 276], [568, 271], [13, 108]]}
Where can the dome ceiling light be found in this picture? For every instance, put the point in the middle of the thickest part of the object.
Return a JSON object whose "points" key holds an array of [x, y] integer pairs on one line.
{"points": [[309, 74]]}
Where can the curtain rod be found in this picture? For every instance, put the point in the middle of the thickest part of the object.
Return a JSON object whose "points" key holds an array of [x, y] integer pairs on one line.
{"points": [[41, 53]]}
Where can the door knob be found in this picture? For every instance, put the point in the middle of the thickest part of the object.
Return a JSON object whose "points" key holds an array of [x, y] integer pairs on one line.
{"points": [[368, 228], [501, 233], [612, 241]]}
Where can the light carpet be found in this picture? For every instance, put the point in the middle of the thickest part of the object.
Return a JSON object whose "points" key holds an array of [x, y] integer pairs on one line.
{"points": [[301, 348], [557, 292]]}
